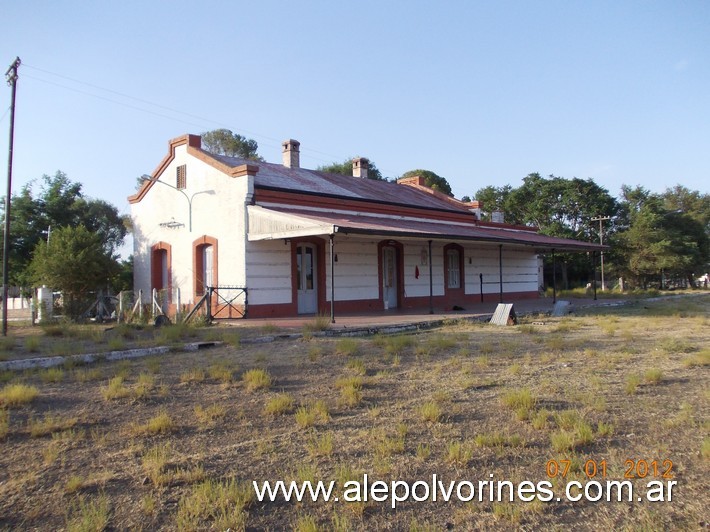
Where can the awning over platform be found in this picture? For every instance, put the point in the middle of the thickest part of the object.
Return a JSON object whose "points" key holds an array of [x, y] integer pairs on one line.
{"points": [[284, 222]]}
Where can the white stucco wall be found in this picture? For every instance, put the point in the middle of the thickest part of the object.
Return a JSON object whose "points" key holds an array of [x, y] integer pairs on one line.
{"points": [[268, 267], [219, 214]]}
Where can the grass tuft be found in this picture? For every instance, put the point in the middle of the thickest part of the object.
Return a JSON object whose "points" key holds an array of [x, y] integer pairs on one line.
{"points": [[115, 389], [653, 376], [256, 379], [4, 423], [49, 424], [17, 395], [215, 504], [279, 405], [88, 515], [312, 414], [209, 415], [161, 423], [632, 383], [430, 412], [192, 375], [519, 399], [347, 346]]}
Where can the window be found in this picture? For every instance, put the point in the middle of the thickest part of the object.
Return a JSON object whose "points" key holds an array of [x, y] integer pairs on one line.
{"points": [[207, 262], [453, 268], [204, 264], [181, 181]]}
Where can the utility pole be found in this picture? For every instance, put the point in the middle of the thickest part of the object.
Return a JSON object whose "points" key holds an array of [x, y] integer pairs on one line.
{"points": [[601, 219], [11, 76]]}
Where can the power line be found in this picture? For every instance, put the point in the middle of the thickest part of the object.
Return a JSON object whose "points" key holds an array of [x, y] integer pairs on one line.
{"points": [[276, 142]]}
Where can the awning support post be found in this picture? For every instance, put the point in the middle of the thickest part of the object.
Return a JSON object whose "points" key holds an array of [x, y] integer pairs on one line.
{"points": [[431, 283], [500, 270], [594, 273], [554, 278], [332, 282]]}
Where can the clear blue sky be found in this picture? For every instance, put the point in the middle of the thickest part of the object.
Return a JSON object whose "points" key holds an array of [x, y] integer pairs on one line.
{"points": [[482, 93]]}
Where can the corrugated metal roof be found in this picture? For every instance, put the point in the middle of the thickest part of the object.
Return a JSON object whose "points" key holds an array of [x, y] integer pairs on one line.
{"points": [[357, 223], [276, 176]]}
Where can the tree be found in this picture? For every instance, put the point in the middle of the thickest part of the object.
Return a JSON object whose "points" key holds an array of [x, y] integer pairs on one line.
{"points": [[690, 202], [659, 242], [74, 261], [493, 198], [224, 142], [346, 168], [59, 202], [559, 206], [432, 180]]}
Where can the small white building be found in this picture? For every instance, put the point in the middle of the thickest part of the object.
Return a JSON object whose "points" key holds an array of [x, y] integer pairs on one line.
{"points": [[300, 241]]}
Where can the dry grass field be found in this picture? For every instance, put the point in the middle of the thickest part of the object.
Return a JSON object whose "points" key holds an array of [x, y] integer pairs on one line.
{"points": [[174, 442]]}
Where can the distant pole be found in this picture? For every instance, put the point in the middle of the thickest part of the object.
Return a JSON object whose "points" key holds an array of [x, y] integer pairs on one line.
{"points": [[601, 219], [11, 76]]}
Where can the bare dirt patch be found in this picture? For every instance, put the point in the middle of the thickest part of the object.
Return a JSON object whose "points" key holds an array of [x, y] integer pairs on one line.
{"points": [[174, 442]]}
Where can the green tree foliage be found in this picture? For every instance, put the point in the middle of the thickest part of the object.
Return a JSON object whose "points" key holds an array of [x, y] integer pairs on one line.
{"points": [[689, 202], [74, 261], [346, 168], [54, 203], [432, 180], [664, 235], [224, 142], [493, 199]]}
